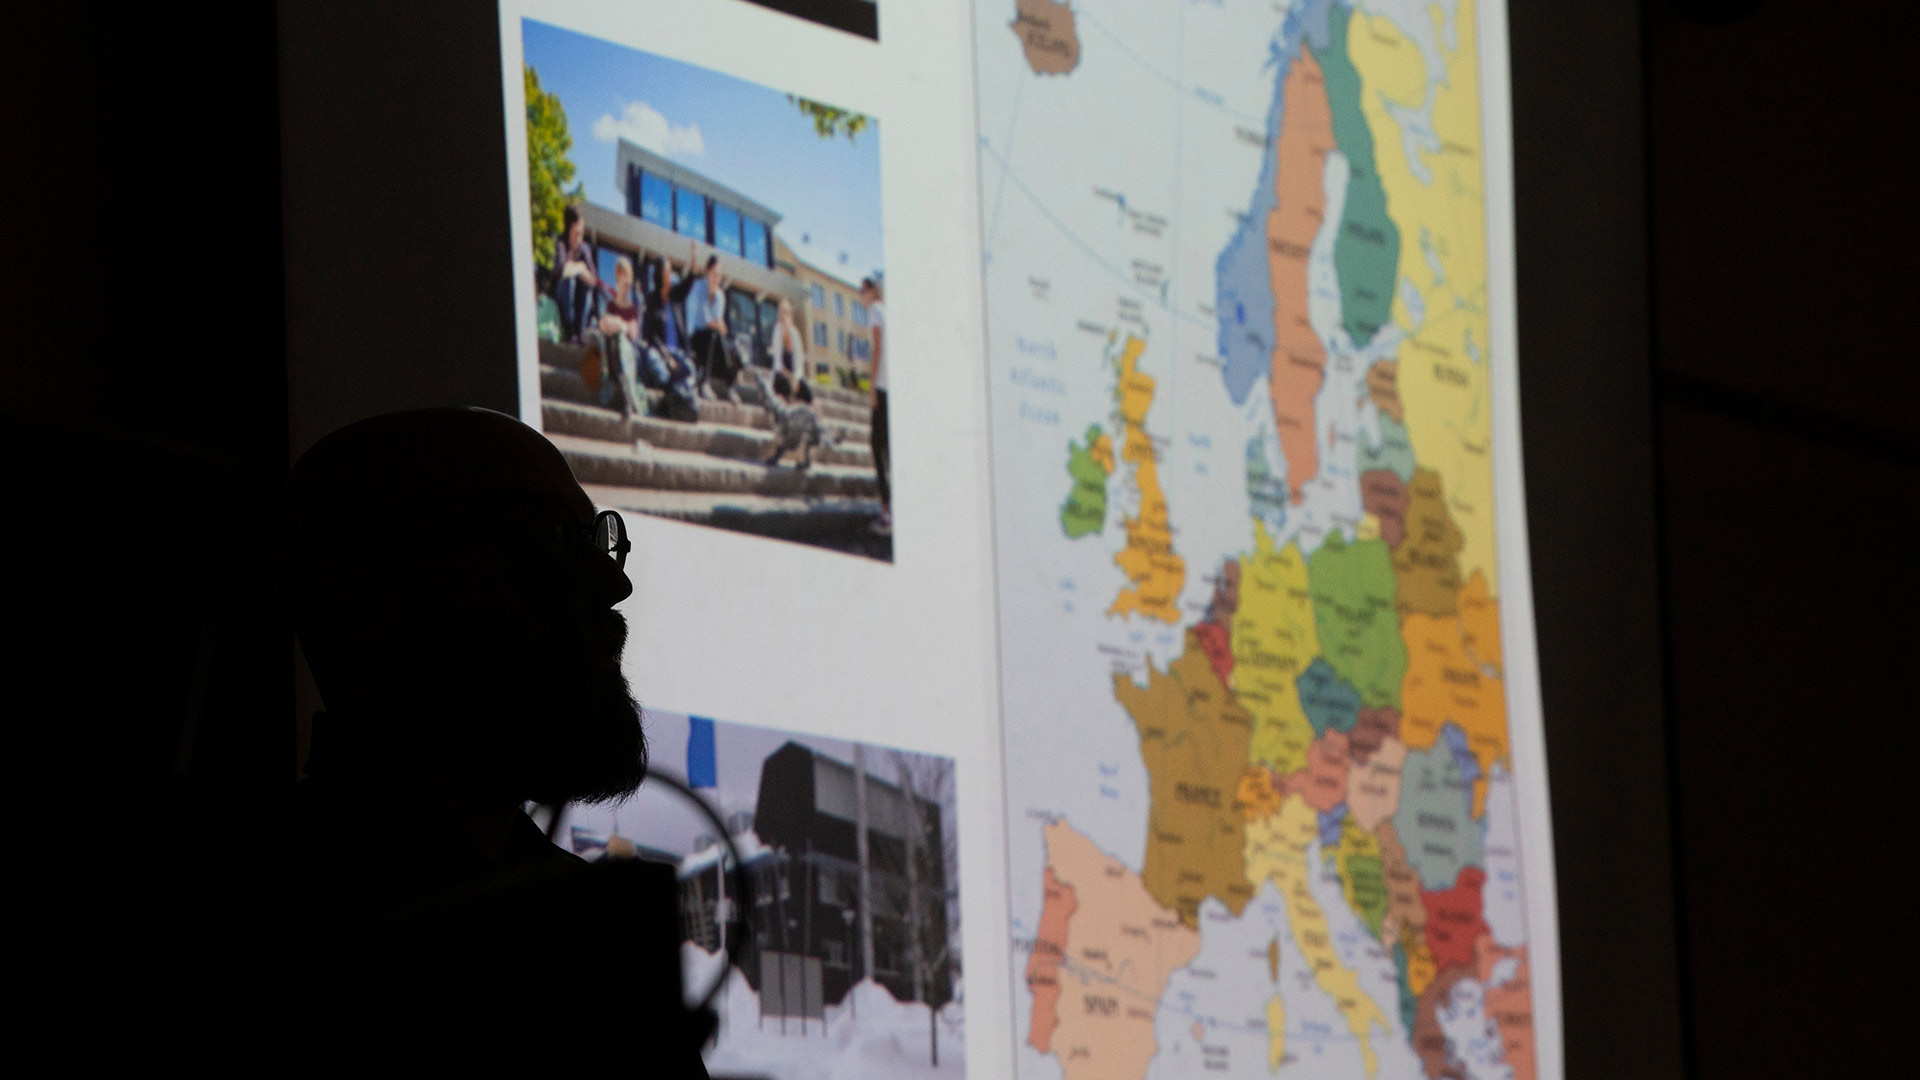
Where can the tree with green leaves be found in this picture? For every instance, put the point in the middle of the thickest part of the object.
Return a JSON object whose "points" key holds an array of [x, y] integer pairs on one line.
{"points": [[548, 169], [831, 120]]}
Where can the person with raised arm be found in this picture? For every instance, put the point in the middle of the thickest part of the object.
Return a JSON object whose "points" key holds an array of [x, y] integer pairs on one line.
{"points": [[707, 323]]}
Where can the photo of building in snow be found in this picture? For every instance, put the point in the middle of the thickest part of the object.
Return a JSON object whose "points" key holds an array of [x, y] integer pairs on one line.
{"points": [[851, 917], [807, 885]]}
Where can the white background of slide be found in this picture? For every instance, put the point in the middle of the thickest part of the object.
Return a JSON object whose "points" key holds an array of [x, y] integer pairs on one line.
{"points": [[790, 636]]}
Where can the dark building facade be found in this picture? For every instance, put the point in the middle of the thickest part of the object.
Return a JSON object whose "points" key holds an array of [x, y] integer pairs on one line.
{"points": [[806, 886]]}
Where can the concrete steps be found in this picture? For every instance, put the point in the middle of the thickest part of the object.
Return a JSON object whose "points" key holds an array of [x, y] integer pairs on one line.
{"points": [[641, 465], [836, 522], [704, 506], [719, 440], [710, 472], [829, 409], [841, 394]]}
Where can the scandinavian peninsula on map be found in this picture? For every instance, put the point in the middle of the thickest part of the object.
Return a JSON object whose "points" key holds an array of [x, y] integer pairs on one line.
{"points": [[1262, 793]]}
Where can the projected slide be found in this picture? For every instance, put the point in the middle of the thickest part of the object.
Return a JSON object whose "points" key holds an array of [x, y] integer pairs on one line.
{"points": [[707, 255], [791, 804], [1262, 789], [1112, 404]]}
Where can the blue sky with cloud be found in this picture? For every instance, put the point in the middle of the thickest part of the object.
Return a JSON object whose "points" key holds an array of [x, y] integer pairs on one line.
{"points": [[741, 134]]}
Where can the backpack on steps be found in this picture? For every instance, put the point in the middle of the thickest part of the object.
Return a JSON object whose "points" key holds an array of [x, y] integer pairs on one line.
{"points": [[680, 405]]}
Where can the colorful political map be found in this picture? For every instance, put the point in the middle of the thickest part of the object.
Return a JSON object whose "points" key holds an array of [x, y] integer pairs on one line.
{"points": [[1262, 803]]}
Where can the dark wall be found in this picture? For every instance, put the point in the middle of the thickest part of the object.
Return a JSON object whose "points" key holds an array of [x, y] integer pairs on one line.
{"points": [[398, 257], [1717, 400], [399, 264], [1586, 412], [1783, 226], [143, 423]]}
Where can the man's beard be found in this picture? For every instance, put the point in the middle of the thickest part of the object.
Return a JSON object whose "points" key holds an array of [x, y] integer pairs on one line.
{"points": [[569, 727], [605, 757]]}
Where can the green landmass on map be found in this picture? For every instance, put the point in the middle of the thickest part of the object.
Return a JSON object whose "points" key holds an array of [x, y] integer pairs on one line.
{"points": [[1089, 463], [1366, 253]]}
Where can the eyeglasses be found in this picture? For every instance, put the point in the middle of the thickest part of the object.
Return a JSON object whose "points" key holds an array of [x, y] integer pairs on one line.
{"points": [[608, 536], [551, 529]]}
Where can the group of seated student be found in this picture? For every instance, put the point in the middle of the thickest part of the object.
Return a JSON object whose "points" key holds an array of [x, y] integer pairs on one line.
{"points": [[676, 341]]}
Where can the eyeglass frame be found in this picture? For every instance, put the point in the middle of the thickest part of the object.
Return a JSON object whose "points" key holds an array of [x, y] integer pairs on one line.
{"points": [[621, 544]]}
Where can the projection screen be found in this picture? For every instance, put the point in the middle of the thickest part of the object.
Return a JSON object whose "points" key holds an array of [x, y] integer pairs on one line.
{"points": [[1072, 456]]}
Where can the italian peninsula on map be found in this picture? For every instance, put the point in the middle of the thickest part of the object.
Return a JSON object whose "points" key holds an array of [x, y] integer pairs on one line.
{"points": [[1300, 853]]}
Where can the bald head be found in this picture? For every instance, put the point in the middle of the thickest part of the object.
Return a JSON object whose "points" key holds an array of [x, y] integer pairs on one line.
{"points": [[434, 571], [378, 475]]}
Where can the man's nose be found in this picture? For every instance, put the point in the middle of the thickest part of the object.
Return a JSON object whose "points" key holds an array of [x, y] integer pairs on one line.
{"points": [[608, 582]]}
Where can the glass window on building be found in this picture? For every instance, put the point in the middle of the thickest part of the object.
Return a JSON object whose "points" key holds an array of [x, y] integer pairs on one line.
{"points": [[603, 264], [859, 313], [743, 316], [839, 306], [755, 242], [818, 297], [839, 341], [726, 228], [656, 200], [689, 213], [820, 332], [769, 320]]}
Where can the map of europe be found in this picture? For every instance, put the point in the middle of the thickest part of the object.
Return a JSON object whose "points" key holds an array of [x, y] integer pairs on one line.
{"points": [[1262, 805]]}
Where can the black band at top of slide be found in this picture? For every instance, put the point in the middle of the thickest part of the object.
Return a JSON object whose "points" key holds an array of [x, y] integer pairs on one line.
{"points": [[860, 17]]}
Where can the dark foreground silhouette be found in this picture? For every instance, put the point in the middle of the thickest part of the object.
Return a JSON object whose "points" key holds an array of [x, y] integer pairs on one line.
{"points": [[456, 604]]}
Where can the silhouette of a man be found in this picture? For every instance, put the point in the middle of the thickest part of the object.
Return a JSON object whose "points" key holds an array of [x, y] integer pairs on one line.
{"points": [[454, 592]]}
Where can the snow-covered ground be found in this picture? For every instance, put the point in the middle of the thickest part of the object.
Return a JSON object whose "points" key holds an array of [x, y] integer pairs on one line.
{"points": [[867, 1035]]}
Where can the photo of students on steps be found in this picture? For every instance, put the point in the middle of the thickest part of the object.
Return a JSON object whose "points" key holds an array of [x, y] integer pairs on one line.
{"points": [[708, 265]]}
